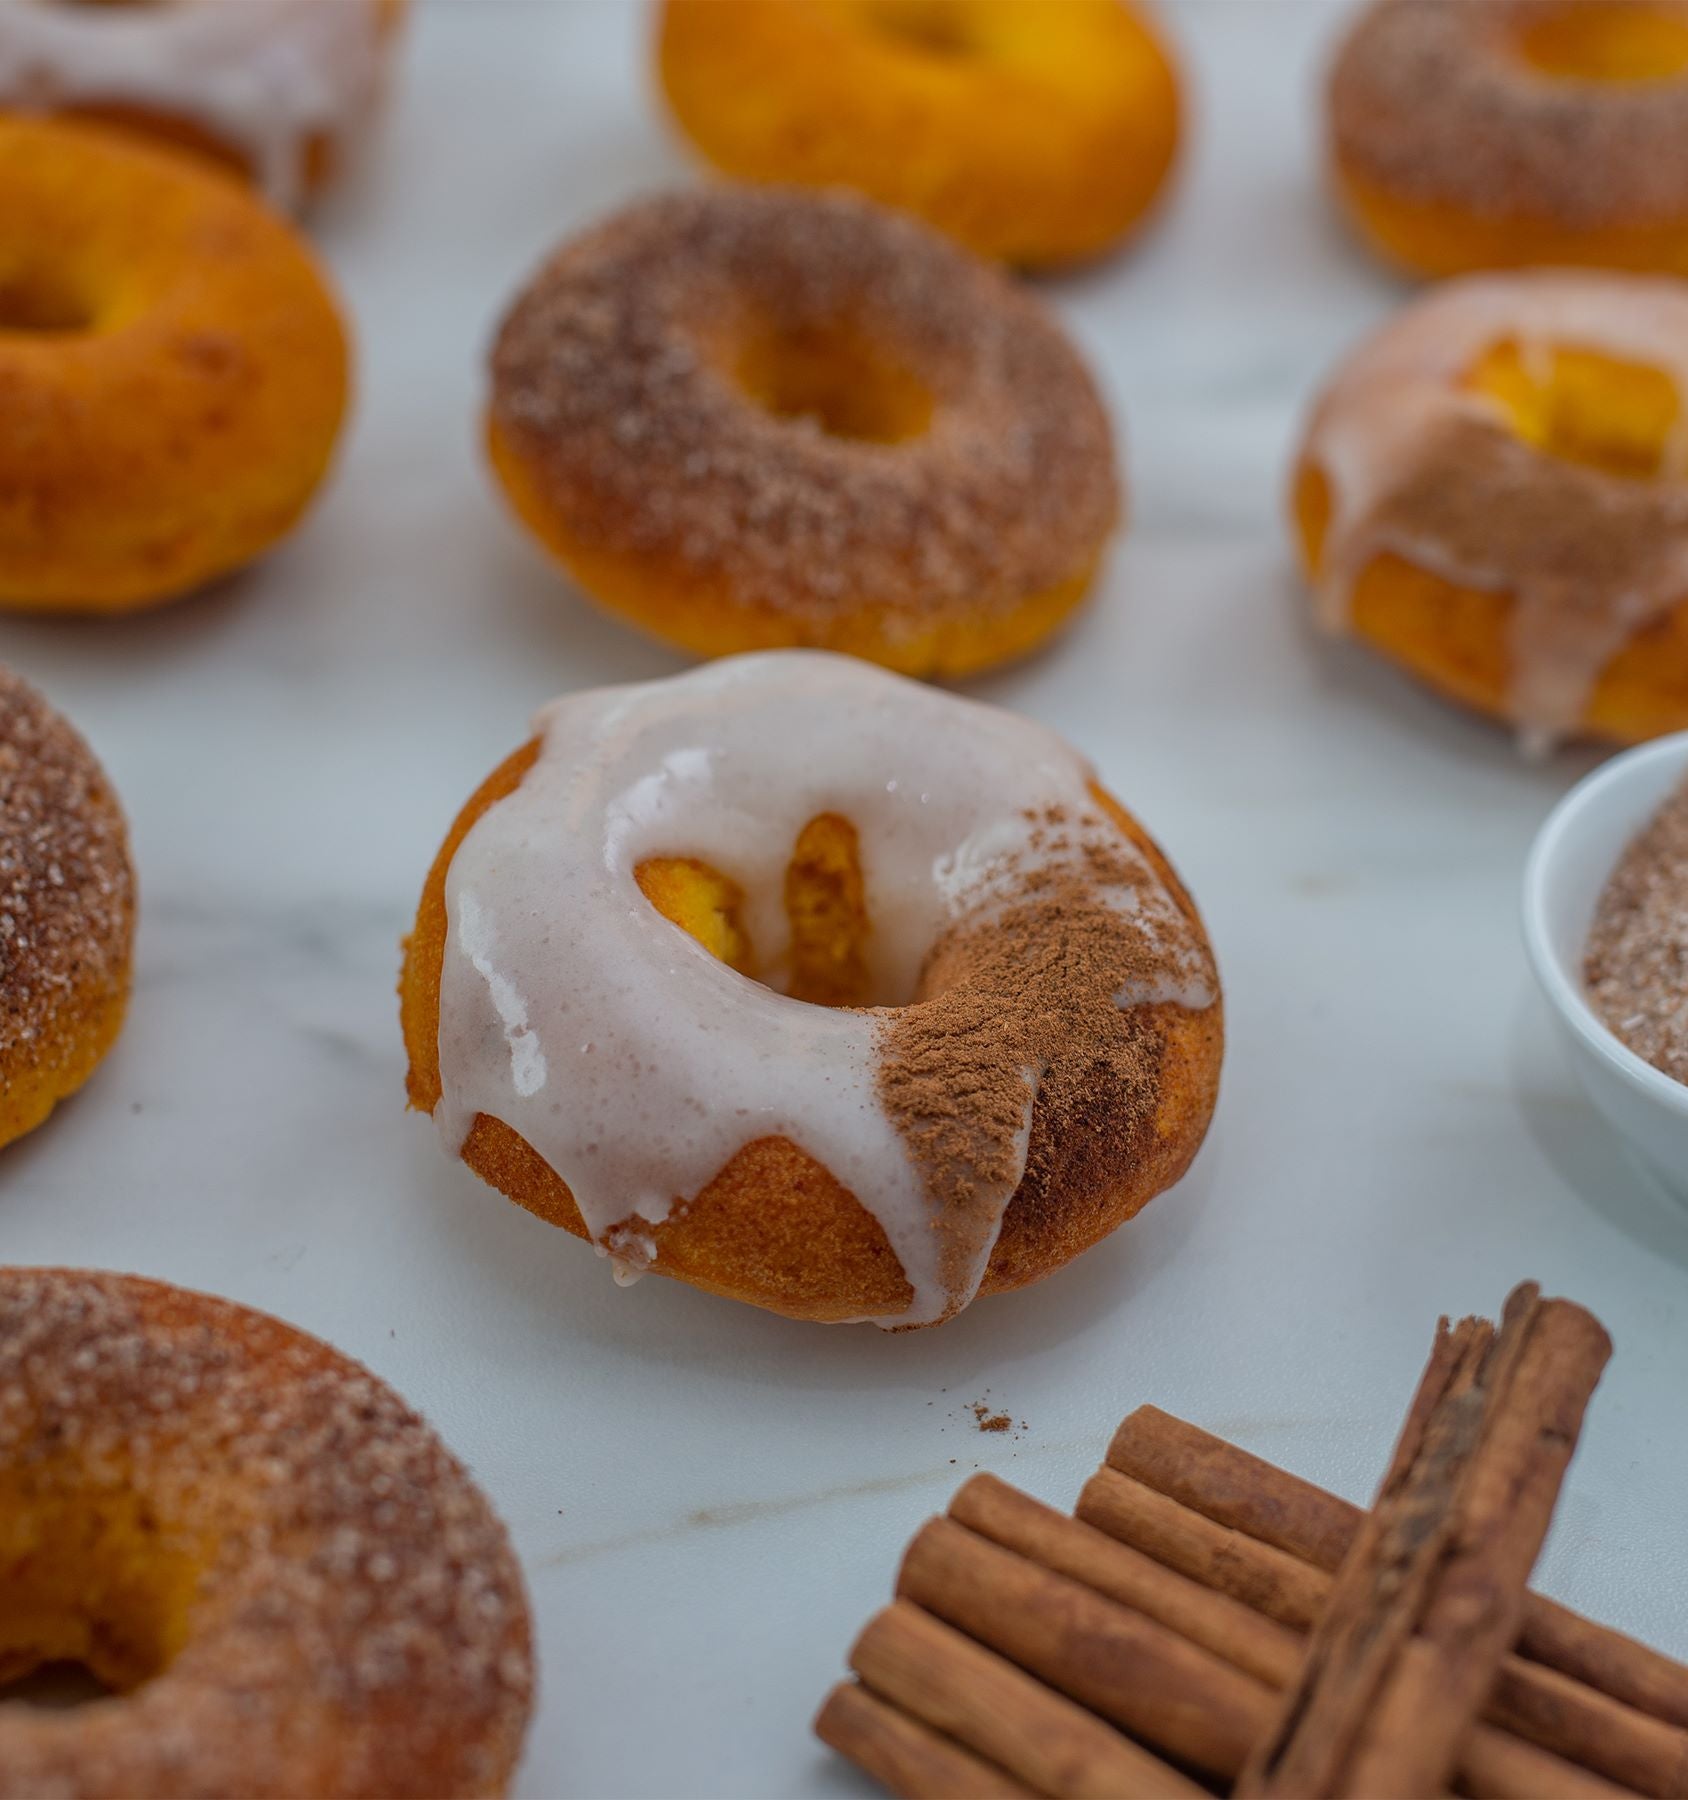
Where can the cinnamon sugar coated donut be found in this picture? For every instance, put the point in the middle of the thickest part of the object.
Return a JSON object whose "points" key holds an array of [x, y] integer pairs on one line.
{"points": [[918, 1014], [1037, 133], [744, 418], [290, 1584], [67, 910], [1495, 133], [174, 371], [278, 89], [1493, 491]]}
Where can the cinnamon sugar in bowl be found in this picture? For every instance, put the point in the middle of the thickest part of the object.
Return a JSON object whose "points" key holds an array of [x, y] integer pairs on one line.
{"points": [[1590, 903]]}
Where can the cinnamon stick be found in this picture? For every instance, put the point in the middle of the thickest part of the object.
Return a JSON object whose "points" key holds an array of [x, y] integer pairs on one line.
{"points": [[1432, 1592], [1234, 1488], [1167, 1692], [1549, 1709], [985, 1703], [905, 1756]]}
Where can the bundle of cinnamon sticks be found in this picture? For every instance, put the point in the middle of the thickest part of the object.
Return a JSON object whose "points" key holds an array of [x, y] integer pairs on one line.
{"points": [[1208, 1623]]}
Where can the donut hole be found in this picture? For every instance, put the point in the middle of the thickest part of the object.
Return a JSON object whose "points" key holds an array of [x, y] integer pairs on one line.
{"points": [[55, 1687], [825, 903], [44, 300], [1582, 405], [835, 379], [97, 1590], [1607, 40], [945, 29]]}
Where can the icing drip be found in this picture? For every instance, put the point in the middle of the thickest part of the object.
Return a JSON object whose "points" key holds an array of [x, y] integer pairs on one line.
{"points": [[1425, 467], [636, 1063], [266, 77]]}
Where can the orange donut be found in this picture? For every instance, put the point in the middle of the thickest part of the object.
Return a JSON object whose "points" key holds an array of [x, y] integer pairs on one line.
{"points": [[856, 1033], [752, 417], [1493, 492], [275, 89], [173, 366], [288, 1581], [1039, 134], [67, 910], [1500, 133]]}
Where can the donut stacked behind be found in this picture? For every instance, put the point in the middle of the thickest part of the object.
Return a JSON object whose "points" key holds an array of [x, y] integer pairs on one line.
{"points": [[174, 371], [1037, 134], [277, 89], [67, 910], [1494, 492], [1500, 133], [287, 1579], [746, 418]]}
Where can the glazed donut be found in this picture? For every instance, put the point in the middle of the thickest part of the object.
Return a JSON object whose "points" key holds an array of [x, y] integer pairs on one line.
{"points": [[1039, 135], [1494, 493], [1499, 133], [745, 418], [991, 1028], [288, 1581], [277, 89], [67, 910], [173, 367]]}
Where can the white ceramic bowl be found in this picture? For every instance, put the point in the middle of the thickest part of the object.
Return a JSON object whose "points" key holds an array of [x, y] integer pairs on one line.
{"points": [[1574, 854]]}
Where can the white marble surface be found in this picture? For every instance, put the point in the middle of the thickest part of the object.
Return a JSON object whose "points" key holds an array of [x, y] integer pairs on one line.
{"points": [[708, 1501]]}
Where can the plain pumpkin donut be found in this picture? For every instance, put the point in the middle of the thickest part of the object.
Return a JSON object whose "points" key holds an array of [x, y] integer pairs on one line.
{"points": [[173, 372], [67, 910], [1493, 493], [858, 1032], [745, 418], [1038, 135], [276, 89], [288, 1582], [1502, 133]]}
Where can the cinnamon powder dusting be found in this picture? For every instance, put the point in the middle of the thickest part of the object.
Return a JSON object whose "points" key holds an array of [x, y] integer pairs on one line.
{"points": [[66, 889], [1636, 963], [1057, 992]]}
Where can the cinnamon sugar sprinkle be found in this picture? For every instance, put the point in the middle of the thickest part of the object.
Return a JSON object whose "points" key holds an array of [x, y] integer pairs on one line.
{"points": [[612, 373], [67, 898], [1057, 992], [1636, 963], [359, 1626], [1432, 98]]}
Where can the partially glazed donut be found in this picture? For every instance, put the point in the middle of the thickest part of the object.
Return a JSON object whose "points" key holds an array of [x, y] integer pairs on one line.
{"points": [[174, 371], [1493, 491], [289, 1583], [67, 910], [812, 987], [278, 89], [745, 418], [1500, 133], [1036, 134]]}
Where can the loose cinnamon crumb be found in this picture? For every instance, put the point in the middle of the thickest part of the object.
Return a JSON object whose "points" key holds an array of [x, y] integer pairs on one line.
{"points": [[1636, 962]]}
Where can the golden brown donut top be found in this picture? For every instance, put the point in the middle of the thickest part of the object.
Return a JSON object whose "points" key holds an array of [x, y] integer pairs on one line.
{"points": [[359, 1625], [612, 374], [1431, 99], [67, 896]]}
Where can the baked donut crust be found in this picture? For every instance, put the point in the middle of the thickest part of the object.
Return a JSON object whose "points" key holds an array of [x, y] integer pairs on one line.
{"points": [[1491, 491], [67, 910], [1452, 150], [776, 1228], [955, 520], [291, 1584], [173, 366], [1037, 136]]}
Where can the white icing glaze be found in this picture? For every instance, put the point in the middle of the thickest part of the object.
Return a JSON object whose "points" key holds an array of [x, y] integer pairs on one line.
{"points": [[628, 1056], [1380, 417], [263, 76]]}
